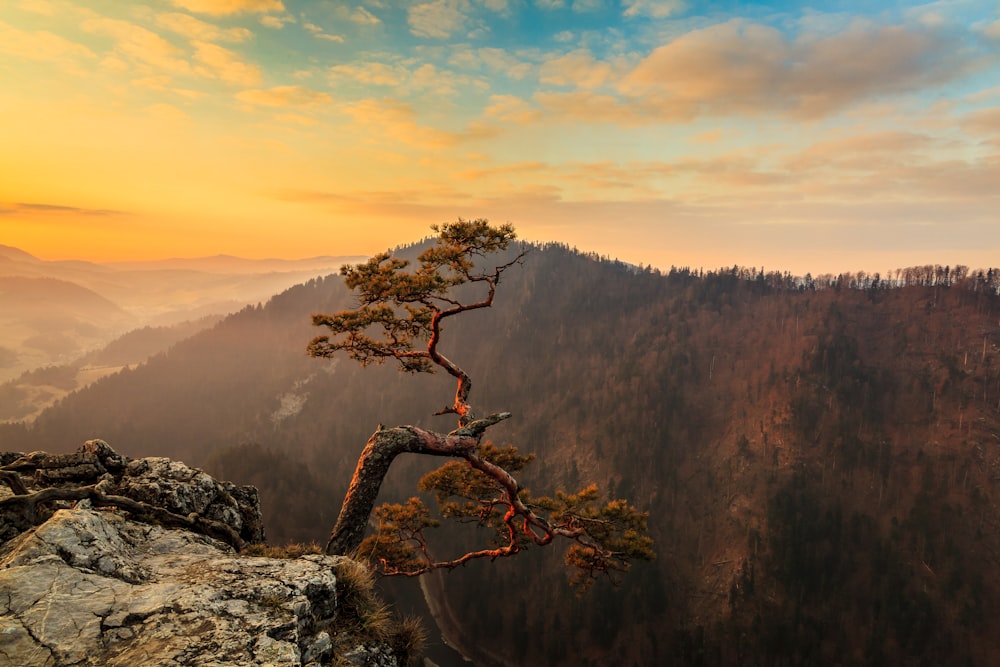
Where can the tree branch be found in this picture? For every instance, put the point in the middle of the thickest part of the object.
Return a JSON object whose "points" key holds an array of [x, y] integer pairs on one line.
{"points": [[410, 307], [13, 482], [380, 451]]}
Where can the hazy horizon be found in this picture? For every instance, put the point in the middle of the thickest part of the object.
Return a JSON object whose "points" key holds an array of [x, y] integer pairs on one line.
{"points": [[802, 271]]}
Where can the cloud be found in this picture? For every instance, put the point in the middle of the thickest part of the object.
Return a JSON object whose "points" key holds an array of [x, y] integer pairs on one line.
{"points": [[501, 7], [140, 45], [276, 22], [405, 77], [190, 94], [587, 6], [319, 33], [439, 19], [42, 45], [362, 16], [285, 96], [37, 7], [550, 5], [224, 7], [577, 68], [372, 73], [656, 9], [707, 137], [983, 95], [196, 29], [12, 209], [985, 121], [511, 109], [590, 107], [497, 61], [224, 64], [396, 122], [501, 61], [530, 167], [742, 67], [441, 82], [867, 152]]}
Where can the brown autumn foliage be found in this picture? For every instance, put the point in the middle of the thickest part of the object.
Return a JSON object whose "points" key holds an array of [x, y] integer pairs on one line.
{"points": [[819, 456]]}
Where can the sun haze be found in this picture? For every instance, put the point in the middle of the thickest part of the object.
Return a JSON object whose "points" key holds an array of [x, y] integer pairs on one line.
{"points": [[660, 132]]}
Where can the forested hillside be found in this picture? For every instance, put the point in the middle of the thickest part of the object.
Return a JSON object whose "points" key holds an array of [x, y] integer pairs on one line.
{"points": [[819, 457]]}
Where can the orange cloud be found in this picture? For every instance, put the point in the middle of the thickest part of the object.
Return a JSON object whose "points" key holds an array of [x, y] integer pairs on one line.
{"points": [[742, 67], [491, 59], [531, 167], [37, 7], [866, 152], [140, 45], [34, 207], [587, 106], [197, 29], [984, 120], [285, 96], [224, 64], [373, 73], [223, 7], [578, 68], [397, 122], [406, 78], [511, 109], [276, 22], [41, 45]]}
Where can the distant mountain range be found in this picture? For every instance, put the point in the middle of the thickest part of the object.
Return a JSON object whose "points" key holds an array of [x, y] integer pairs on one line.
{"points": [[819, 457], [52, 312]]}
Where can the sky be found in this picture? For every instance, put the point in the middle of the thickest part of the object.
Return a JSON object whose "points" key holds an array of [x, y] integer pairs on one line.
{"points": [[822, 137]]}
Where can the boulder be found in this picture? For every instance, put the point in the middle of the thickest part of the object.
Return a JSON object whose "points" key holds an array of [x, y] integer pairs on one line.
{"points": [[104, 576], [89, 587], [159, 485]]}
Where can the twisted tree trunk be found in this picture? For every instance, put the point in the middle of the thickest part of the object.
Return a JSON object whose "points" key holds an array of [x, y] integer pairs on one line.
{"points": [[380, 451]]}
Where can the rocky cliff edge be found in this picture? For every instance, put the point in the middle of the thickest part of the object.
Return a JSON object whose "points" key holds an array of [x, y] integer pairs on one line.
{"points": [[110, 561]]}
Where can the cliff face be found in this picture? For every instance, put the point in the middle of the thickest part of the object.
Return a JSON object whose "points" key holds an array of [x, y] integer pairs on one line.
{"points": [[99, 586]]}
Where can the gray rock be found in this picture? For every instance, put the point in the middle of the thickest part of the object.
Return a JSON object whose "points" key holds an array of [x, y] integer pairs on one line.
{"points": [[159, 482], [89, 587], [86, 586]]}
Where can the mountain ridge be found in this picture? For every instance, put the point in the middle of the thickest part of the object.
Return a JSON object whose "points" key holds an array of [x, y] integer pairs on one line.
{"points": [[796, 443]]}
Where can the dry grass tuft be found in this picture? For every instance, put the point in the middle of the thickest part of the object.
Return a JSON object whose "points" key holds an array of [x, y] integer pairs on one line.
{"points": [[362, 615], [408, 640]]}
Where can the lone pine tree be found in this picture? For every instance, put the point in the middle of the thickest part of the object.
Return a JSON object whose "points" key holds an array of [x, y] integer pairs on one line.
{"points": [[400, 317]]}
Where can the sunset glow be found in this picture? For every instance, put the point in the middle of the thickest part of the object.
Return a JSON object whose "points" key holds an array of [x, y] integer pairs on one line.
{"points": [[851, 135]]}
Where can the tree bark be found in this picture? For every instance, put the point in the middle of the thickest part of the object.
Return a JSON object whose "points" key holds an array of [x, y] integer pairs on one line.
{"points": [[380, 451]]}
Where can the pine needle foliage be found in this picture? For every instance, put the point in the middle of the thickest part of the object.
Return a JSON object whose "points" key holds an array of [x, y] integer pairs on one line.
{"points": [[400, 313]]}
